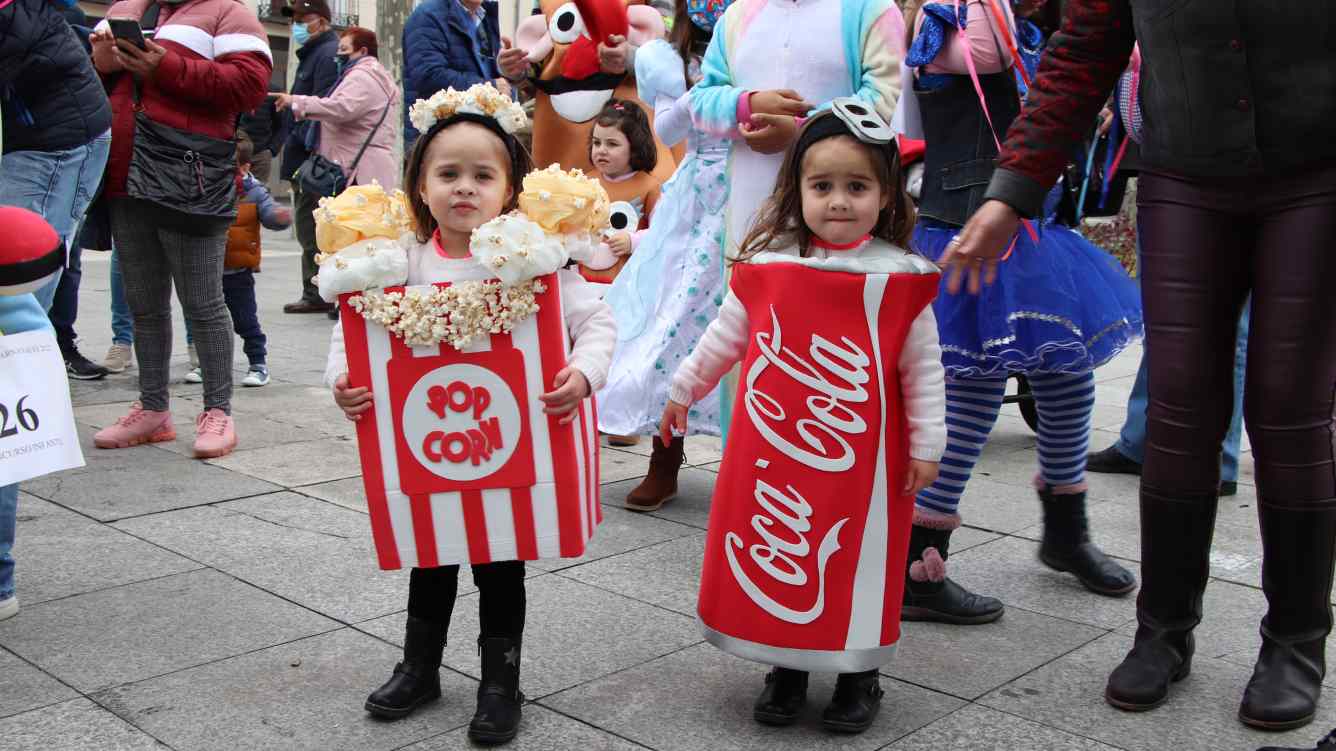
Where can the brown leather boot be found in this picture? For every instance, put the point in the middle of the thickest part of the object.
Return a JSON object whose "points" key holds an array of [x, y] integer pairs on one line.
{"points": [[660, 484]]}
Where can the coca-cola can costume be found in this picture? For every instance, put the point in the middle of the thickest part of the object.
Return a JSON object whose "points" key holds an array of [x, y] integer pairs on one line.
{"points": [[805, 554]]}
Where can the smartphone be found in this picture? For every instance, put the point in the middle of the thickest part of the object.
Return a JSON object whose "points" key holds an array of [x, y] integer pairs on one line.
{"points": [[127, 29]]}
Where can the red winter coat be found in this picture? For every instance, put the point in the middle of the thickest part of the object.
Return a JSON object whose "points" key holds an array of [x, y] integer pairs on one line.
{"points": [[217, 66]]}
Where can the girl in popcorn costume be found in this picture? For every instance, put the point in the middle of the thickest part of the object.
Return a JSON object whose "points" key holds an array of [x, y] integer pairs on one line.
{"points": [[838, 207], [464, 172]]}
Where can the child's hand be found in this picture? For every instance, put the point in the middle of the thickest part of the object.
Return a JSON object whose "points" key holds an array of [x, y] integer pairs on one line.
{"points": [[674, 417], [769, 134], [921, 474], [779, 102], [353, 402], [620, 244], [568, 388]]}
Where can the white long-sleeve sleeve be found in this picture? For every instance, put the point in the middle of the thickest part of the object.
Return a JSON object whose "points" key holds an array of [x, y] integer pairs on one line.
{"points": [[923, 388], [336, 364], [592, 328], [672, 118], [720, 348]]}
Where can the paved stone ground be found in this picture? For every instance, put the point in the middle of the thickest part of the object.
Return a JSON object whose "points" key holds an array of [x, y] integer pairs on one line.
{"points": [[234, 604]]}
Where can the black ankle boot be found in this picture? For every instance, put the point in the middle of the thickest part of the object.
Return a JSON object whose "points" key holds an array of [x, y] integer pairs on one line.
{"points": [[1175, 554], [1298, 547], [498, 717], [941, 601], [783, 698], [855, 704], [1067, 546], [416, 680]]}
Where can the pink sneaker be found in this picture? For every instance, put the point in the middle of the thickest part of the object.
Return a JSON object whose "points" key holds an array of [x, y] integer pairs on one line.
{"points": [[140, 426], [214, 435]]}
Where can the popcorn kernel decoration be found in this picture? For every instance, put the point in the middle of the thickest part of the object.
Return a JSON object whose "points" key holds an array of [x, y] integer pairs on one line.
{"points": [[478, 99], [458, 314], [359, 213], [517, 248], [564, 202]]}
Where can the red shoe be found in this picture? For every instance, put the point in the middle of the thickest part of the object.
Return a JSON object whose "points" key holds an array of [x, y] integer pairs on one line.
{"points": [[139, 426], [214, 435]]}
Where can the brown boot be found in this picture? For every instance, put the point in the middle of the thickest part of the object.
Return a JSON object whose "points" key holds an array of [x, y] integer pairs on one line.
{"points": [[660, 485]]}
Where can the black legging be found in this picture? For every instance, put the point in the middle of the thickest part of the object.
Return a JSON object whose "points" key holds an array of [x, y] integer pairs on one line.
{"points": [[1205, 245], [501, 601]]}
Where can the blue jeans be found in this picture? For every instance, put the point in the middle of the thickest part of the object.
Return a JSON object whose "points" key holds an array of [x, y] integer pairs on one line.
{"points": [[58, 185], [1132, 441], [64, 310], [122, 323], [9, 509]]}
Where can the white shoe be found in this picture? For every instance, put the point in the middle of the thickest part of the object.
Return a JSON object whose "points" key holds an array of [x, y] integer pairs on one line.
{"points": [[9, 607], [258, 376], [119, 357], [194, 356], [194, 375]]}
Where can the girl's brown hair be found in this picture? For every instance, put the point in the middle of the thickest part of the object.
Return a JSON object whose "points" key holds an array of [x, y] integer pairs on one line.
{"points": [[779, 224], [627, 117], [688, 39], [521, 164]]}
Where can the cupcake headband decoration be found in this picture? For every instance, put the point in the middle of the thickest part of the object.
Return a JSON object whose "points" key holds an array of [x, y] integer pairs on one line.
{"points": [[480, 99]]}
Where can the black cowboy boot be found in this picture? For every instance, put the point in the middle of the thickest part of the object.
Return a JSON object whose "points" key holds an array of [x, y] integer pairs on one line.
{"points": [[1067, 546], [417, 679], [1298, 548], [1175, 555], [497, 719], [660, 483], [855, 704], [1328, 743], [783, 698], [934, 597]]}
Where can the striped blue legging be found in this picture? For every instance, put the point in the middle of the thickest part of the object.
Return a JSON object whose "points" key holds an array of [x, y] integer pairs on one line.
{"points": [[1064, 403]]}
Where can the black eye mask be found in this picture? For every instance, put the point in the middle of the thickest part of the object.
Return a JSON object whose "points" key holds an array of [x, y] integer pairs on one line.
{"points": [[847, 117]]}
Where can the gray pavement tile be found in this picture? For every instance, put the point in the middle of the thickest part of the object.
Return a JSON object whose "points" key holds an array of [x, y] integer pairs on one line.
{"points": [[701, 698], [1068, 694], [255, 428], [541, 729], [615, 465], [61, 553], [667, 575], [700, 449], [24, 687], [311, 552], [349, 493], [120, 483], [1231, 617], [970, 661], [1009, 569], [977, 728], [306, 694], [574, 633], [695, 487], [75, 725], [298, 463], [92, 641], [998, 506], [1110, 406], [966, 537], [621, 531]]}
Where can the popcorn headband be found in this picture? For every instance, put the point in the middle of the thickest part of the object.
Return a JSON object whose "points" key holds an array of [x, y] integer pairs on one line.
{"points": [[481, 103]]}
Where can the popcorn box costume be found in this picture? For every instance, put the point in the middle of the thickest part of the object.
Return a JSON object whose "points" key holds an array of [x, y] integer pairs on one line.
{"points": [[808, 533]]}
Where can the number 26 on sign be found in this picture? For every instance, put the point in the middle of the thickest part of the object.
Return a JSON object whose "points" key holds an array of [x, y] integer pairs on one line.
{"points": [[22, 418]]}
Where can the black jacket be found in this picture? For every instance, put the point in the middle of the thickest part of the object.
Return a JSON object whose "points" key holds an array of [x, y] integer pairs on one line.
{"points": [[317, 72], [265, 126], [51, 96]]}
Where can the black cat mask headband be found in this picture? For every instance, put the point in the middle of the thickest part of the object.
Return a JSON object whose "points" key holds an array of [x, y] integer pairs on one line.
{"points": [[847, 117]]}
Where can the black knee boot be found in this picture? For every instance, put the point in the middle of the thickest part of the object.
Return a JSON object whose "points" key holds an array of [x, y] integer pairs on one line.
{"points": [[783, 698], [1067, 546], [1298, 547], [855, 704], [497, 719], [938, 598], [416, 680], [1175, 564]]}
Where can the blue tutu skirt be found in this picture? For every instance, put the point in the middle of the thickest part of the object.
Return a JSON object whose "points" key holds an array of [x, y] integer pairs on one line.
{"points": [[1062, 305]]}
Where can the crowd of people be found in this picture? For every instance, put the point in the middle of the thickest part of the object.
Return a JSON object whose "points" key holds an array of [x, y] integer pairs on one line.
{"points": [[747, 149]]}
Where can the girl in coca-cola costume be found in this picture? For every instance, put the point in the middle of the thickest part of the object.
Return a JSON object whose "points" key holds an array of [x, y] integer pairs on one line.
{"points": [[829, 440]]}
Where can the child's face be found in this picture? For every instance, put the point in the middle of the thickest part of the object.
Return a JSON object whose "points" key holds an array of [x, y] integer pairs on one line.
{"points": [[610, 151], [245, 168], [840, 192], [465, 180]]}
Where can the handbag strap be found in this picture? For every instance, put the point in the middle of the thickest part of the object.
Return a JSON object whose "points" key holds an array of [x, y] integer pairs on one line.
{"points": [[352, 170]]}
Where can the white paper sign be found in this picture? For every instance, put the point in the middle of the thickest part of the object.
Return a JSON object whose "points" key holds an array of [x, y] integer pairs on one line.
{"points": [[37, 434]]}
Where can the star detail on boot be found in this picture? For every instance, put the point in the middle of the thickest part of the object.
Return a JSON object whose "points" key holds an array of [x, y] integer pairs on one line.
{"points": [[513, 656]]}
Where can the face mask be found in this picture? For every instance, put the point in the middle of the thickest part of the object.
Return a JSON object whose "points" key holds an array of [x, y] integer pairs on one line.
{"points": [[342, 61], [299, 34]]}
